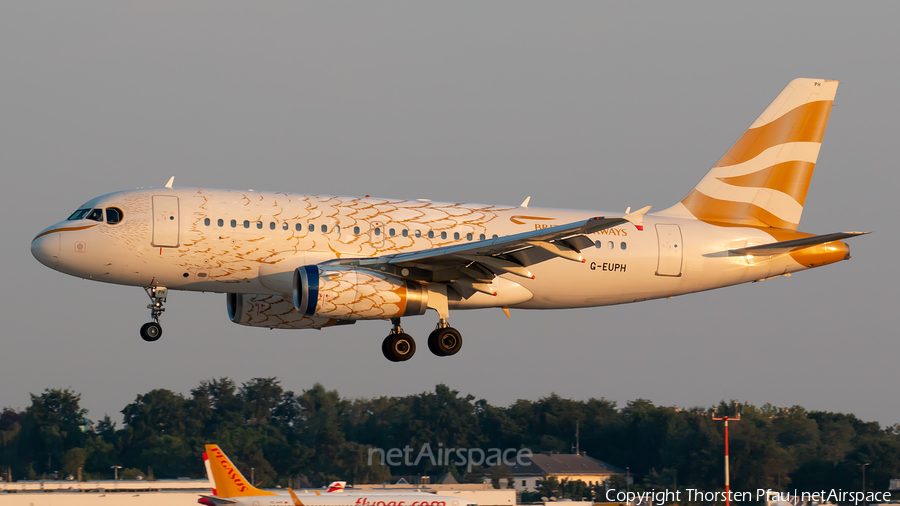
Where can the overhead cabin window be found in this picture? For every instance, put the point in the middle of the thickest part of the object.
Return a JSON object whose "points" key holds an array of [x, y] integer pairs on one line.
{"points": [[95, 214], [356, 230], [233, 223], [79, 214], [206, 221], [246, 223], [221, 222], [113, 215]]}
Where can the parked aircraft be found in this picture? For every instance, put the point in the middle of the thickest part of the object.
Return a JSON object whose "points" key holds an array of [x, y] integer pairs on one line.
{"points": [[229, 487], [298, 261]]}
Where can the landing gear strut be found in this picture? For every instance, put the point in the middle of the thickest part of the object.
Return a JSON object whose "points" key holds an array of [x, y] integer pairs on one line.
{"points": [[444, 340], [398, 346], [151, 331]]}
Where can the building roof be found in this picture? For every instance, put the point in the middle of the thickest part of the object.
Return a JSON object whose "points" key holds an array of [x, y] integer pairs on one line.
{"points": [[543, 464]]}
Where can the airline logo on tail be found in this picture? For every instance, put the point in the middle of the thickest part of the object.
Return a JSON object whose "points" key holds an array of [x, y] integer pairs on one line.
{"points": [[228, 480], [763, 179], [337, 486]]}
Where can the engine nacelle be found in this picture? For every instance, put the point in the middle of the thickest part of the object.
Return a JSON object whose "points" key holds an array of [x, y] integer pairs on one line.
{"points": [[349, 293], [274, 312]]}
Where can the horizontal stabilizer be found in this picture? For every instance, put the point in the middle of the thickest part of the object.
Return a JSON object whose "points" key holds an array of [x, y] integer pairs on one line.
{"points": [[776, 248]]}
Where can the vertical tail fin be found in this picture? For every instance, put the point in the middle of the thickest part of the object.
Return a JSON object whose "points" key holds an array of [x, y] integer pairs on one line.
{"points": [[228, 480], [209, 475], [763, 179]]}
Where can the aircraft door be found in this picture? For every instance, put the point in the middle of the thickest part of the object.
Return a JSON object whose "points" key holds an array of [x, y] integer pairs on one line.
{"points": [[376, 234], [165, 221], [670, 250]]}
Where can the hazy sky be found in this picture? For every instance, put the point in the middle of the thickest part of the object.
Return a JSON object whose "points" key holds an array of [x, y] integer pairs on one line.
{"points": [[580, 105]]}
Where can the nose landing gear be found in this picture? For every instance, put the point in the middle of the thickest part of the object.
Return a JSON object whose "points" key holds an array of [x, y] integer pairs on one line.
{"points": [[398, 346], [151, 331]]}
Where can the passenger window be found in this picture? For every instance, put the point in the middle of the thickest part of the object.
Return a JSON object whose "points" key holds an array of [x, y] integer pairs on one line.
{"points": [[443, 235], [356, 230], [377, 231], [494, 236], [324, 229], [312, 228], [418, 233], [392, 232], [337, 229], [221, 222], [623, 246], [259, 224], [271, 225], [598, 244], [298, 227], [95, 214], [469, 236], [205, 221], [284, 226], [431, 234], [405, 233], [612, 245], [233, 223], [456, 235], [246, 223], [79, 214], [113, 215], [482, 237]]}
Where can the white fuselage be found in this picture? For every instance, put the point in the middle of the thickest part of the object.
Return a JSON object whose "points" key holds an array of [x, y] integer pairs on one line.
{"points": [[250, 242]]}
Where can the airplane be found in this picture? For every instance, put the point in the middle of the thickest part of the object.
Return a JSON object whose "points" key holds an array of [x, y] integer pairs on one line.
{"points": [[229, 487], [300, 261]]}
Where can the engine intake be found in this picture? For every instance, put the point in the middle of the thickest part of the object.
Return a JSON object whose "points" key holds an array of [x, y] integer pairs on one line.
{"points": [[349, 293]]}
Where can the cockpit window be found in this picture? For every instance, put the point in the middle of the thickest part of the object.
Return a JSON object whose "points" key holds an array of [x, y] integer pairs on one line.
{"points": [[79, 214], [113, 215], [95, 214]]}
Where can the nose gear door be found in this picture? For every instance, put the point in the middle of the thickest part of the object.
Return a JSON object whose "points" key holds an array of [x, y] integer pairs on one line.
{"points": [[165, 221]]}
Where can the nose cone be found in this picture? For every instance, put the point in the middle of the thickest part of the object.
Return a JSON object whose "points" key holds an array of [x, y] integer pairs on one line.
{"points": [[45, 249]]}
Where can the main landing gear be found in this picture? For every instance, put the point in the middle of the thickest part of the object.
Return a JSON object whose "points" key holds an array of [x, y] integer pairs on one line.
{"points": [[399, 346], [151, 331], [444, 340]]}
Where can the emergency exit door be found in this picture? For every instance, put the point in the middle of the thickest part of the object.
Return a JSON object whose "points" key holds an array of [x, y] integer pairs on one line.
{"points": [[670, 250], [165, 221]]}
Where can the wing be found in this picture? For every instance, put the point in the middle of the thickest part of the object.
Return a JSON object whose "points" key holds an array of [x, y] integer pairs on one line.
{"points": [[481, 261], [776, 248]]}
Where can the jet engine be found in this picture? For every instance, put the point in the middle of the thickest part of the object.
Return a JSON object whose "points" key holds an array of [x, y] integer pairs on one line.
{"points": [[350, 293], [274, 312]]}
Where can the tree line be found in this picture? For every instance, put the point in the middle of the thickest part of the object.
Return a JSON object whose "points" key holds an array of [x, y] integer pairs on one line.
{"points": [[316, 436]]}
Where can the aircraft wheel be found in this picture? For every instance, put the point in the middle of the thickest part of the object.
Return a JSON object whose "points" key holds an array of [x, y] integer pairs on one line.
{"points": [[151, 331], [445, 342], [398, 347]]}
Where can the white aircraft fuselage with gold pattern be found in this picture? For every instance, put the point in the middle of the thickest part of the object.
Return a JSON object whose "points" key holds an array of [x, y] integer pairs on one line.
{"points": [[738, 225]]}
